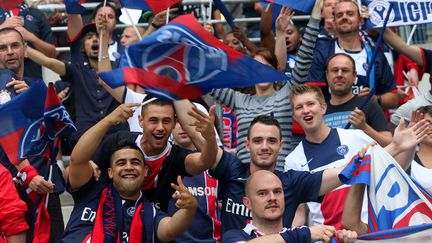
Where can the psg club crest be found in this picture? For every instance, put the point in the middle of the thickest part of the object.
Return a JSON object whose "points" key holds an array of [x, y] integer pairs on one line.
{"points": [[342, 150], [175, 56]]}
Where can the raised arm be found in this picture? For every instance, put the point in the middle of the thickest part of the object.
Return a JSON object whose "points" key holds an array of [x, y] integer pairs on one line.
{"points": [[282, 22], [104, 65], [172, 227], [351, 216], [412, 52], [200, 129], [80, 169], [306, 49], [358, 119], [48, 62], [267, 38], [74, 26], [36, 42]]}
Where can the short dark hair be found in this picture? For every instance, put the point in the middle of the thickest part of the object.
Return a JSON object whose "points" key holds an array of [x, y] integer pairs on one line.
{"points": [[341, 54], [426, 109], [101, 5], [158, 102], [125, 144], [10, 29], [266, 120]]}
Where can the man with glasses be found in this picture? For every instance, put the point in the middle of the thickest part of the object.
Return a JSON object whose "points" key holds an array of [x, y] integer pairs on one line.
{"points": [[343, 106]]}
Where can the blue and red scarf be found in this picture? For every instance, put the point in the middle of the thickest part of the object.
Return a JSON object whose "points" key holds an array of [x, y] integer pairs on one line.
{"points": [[108, 225]]}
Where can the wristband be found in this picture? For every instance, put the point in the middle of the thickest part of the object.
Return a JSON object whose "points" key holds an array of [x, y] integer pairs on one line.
{"points": [[301, 234], [26, 174]]}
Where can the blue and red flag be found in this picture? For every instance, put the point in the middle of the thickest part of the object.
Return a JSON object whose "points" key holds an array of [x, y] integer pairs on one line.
{"points": [[397, 205], [30, 121], [304, 6], [155, 6], [182, 60]]}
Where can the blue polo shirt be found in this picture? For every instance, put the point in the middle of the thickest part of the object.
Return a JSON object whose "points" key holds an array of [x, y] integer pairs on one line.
{"points": [[35, 22], [299, 187], [92, 101]]}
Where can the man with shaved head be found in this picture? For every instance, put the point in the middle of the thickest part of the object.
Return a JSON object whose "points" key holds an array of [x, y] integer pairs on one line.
{"points": [[264, 197]]}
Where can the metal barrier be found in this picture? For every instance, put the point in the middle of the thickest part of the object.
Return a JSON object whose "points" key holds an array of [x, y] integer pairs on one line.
{"points": [[422, 34]]}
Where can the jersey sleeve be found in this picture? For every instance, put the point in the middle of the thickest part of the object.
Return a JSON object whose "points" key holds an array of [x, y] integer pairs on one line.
{"points": [[307, 184], [229, 167], [316, 74]]}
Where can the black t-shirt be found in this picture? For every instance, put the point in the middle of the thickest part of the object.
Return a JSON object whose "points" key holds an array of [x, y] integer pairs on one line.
{"points": [[92, 101], [337, 115], [172, 162]]}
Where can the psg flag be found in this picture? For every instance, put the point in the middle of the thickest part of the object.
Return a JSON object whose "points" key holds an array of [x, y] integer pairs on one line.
{"points": [[31, 120], [182, 60], [399, 209]]}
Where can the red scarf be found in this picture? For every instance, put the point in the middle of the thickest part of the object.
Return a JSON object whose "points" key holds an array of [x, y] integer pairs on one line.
{"points": [[108, 226]]}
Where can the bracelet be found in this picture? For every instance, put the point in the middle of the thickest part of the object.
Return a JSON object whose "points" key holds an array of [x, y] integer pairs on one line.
{"points": [[26, 174], [104, 57]]}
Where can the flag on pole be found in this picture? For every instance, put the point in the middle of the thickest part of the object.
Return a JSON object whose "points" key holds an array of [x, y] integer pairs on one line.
{"points": [[399, 208], [182, 60], [24, 123], [304, 6]]}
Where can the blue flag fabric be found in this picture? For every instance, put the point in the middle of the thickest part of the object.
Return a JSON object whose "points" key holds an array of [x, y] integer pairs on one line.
{"points": [[29, 123], [304, 6], [403, 12], [182, 60], [74, 7], [397, 205]]}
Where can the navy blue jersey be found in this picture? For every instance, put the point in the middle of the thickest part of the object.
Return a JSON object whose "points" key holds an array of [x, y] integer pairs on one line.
{"points": [[206, 225], [232, 174], [83, 215], [298, 235], [164, 168], [427, 65], [384, 80]]}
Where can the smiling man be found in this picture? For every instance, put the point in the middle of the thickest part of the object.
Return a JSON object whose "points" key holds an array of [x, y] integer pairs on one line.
{"points": [[118, 211], [165, 160]]}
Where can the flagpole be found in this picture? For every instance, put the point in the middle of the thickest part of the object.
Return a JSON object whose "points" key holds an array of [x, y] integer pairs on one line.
{"points": [[411, 34], [133, 24], [100, 38], [370, 67], [210, 10], [167, 15], [203, 12]]}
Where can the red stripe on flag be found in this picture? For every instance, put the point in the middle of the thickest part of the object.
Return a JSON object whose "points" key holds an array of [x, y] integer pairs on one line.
{"points": [[10, 144], [152, 80], [190, 22]]}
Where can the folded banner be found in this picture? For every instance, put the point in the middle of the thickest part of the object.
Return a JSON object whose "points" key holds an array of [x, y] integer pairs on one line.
{"points": [[182, 60], [28, 123], [304, 6], [404, 12], [155, 6], [399, 208]]}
